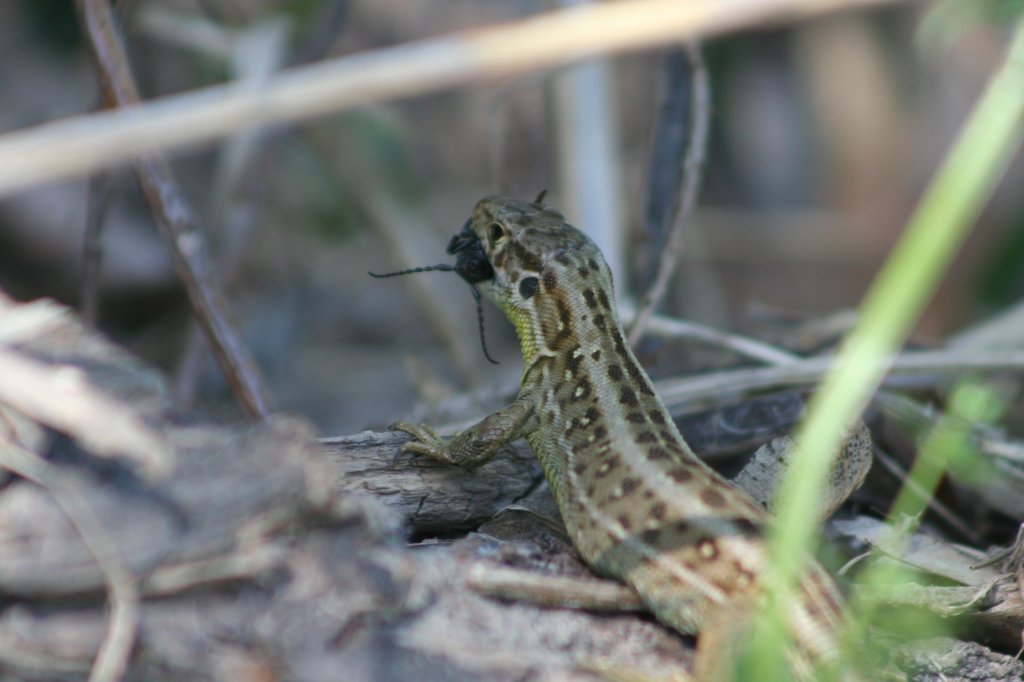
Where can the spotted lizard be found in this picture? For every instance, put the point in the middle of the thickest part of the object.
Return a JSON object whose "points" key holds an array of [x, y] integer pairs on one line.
{"points": [[638, 504]]}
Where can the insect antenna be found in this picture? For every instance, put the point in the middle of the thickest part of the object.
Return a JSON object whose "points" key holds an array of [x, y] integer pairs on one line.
{"points": [[443, 267], [539, 201], [480, 325]]}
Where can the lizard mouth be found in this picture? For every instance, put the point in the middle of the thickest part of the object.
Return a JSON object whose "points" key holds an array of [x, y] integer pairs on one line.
{"points": [[470, 260]]}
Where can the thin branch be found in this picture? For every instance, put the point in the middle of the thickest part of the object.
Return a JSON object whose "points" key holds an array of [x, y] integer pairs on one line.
{"points": [[744, 346], [668, 146], [253, 54], [693, 164], [122, 587], [83, 144], [99, 196], [176, 220], [716, 385]]}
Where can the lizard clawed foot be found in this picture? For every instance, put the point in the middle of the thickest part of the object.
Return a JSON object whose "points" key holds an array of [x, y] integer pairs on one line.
{"points": [[425, 441]]}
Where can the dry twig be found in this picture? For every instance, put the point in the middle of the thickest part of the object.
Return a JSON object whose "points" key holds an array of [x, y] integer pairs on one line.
{"points": [[100, 194], [811, 370], [686, 197], [176, 220], [744, 346]]}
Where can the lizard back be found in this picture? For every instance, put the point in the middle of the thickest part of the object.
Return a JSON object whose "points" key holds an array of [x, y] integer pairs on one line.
{"points": [[637, 502]]}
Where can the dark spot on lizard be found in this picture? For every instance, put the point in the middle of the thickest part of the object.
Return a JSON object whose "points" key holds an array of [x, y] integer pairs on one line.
{"points": [[813, 609], [658, 511], [636, 417], [620, 347], [646, 437], [593, 264], [628, 397], [588, 296], [596, 355], [656, 417], [629, 484], [600, 323], [651, 536], [565, 317], [712, 498], [610, 463], [528, 260], [600, 432], [582, 391], [830, 597], [593, 414], [573, 359], [584, 272], [637, 375], [656, 453], [680, 475], [615, 373], [743, 572], [707, 549], [746, 527], [550, 281], [603, 298], [625, 522], [563, 258]]}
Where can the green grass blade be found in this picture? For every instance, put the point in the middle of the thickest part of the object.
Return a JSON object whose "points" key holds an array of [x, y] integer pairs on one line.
{"points": [[970, 172]]}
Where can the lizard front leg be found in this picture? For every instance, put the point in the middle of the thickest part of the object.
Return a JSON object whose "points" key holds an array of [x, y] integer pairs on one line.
{"points": [[480, 442]]}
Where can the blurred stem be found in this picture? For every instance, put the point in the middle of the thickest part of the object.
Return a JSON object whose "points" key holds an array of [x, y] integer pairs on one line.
{"points": [[686, 196], [99, 194], [668, 146], [82, 144], [969, 174], [175, 219]]}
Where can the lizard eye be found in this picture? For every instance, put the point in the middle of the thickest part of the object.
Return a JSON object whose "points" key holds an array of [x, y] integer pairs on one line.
{"points": [[528, 287], [495, 232]]}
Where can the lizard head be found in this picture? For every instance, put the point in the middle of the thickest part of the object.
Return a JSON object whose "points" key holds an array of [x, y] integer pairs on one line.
{"points": [[540, 270], [507, 246], [534, 265]]}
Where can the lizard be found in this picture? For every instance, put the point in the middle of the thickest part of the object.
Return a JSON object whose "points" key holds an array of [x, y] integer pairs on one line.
{"points": [[638, 504]]}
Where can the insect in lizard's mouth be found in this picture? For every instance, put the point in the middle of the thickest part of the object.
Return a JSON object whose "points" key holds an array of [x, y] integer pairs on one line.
{"points": [[470, 260], [471, 264]]}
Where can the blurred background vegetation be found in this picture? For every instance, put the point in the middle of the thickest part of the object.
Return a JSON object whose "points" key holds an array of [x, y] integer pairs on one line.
{"points": [[823, 134]]}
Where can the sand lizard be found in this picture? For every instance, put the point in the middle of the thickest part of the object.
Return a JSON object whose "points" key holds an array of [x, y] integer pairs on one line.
{"points": [[637, 502]]}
